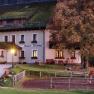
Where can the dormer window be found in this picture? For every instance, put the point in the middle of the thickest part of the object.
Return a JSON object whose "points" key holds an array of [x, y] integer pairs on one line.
{"points": [[1, 22], [9, 21]]}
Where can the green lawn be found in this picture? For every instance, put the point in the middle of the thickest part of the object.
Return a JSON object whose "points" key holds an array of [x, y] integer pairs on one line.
{"points": [[49, 69], [15, 91], [58, 70]]}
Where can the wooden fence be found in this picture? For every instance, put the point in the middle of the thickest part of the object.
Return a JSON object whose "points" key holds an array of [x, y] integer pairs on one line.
{"points": [[18, 77], [72, 83]]}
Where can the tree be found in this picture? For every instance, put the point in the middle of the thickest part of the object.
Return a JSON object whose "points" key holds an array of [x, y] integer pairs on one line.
{"points": [[74, 22]]}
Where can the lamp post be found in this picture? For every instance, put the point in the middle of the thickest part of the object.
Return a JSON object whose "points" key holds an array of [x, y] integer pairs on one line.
{"points": [[12, 50]]}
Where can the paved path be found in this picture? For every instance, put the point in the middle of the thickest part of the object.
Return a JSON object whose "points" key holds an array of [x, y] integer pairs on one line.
{"points": [[3, 67]]}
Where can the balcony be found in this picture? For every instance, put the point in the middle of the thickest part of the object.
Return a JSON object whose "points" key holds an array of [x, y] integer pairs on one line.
{"points": [[59, 58], [22, 57], [34, 57], [34, 41], [73, 57], [2, 56], [22, 42]]}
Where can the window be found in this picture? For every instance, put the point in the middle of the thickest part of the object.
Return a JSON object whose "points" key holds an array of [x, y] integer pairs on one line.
{"points": [[13, 38], [34, 38], [34, 54], [73, 55], [22, 53], [22, 39], [2, 54], [1, 22], [9, 21], [59, 54], [6, 38]]}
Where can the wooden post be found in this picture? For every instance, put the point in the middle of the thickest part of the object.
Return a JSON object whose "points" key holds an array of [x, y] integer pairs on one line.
{"points": [[40, 74], [51, 83], [55, 74], [69, 83]]}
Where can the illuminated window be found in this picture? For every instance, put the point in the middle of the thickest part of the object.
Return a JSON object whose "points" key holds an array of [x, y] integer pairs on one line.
{"points": [[34, 54], [59, 54]]}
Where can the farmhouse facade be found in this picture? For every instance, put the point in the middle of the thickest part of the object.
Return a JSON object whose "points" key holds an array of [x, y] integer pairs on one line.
{"points": [[25, 26]]}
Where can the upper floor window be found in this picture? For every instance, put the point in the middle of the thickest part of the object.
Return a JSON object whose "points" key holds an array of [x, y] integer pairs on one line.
{"points": [[1, 22], [9, 21], [34, 38], [73, 55], [13, 38], [6, 38], [22, 39], [59, 54]]}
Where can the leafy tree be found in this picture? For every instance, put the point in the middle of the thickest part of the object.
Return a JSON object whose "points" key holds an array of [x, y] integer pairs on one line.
{"points": [[73, 21]]}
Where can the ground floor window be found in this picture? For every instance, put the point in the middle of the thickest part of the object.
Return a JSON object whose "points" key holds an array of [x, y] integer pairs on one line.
{"points": [[22, 53], [73, 55], [34, 54], [59, 54], [2, 54]]}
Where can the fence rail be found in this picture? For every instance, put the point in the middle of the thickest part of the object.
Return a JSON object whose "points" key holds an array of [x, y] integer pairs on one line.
{"points": [[19, 76], [72, 83]]}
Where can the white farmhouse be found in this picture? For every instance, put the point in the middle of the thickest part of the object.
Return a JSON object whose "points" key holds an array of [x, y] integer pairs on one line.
{"points": [[25, 27]]}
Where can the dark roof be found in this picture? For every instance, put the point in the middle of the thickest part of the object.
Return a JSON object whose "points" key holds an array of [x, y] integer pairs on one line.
{"points": [[22, 2], [36, 16], [9, 45]]}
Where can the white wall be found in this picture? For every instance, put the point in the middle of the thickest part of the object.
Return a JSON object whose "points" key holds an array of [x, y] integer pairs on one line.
{"points": [[8, 57], [50, 53], [2, 59], [27, 47]]}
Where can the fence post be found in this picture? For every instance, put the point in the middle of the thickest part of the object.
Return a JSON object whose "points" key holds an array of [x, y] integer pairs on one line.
{"points": [[40, 74], [55, 74], [87, 79], [69, 83], [24, 73], [51, 83]]}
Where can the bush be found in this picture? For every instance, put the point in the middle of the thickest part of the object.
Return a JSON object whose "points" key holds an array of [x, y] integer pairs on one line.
{"points": [[91, 60]]}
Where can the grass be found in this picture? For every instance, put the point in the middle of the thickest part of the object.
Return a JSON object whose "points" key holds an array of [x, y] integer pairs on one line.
{"points": [[51, 70], [17, 70], [15, 91], [7, 82], [43, 68]]}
